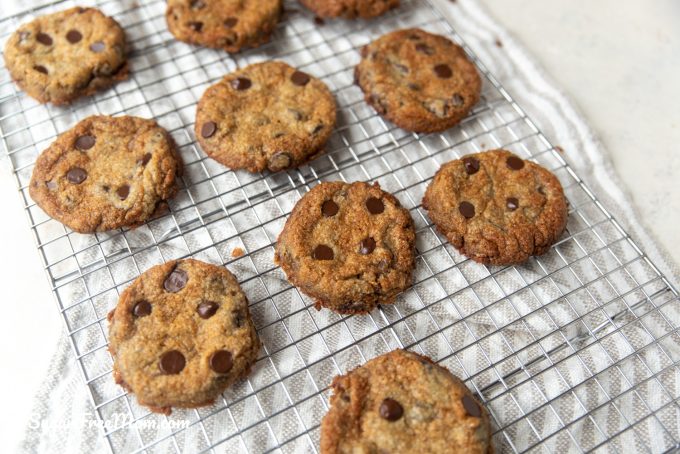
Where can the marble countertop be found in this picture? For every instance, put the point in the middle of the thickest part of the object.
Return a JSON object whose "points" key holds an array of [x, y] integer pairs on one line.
{"points": [[618, 61]]}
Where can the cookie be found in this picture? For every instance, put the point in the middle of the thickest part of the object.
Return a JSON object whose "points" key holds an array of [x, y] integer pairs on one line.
{"points": [[496, 208], [265, 116], [223, 24], [419, 81], [402, 402], [106, 173], [349, 246], [62, 56], [350, 9], [181, 334]]}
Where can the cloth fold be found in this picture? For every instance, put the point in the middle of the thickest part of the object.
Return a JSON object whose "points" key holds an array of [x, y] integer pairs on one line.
{"points": [[62, 412]]}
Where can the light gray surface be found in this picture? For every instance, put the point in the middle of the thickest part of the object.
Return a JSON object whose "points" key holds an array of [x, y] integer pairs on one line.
{"points": [[620, 63]]}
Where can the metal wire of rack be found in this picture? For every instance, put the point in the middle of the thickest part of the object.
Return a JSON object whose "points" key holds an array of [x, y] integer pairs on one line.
{"points": [[573, 351]]}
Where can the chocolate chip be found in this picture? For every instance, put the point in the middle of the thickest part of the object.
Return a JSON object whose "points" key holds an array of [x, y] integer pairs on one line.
{"points": [[279, 161], [424, 49], [241, 83], [467, 209], [144, 160], [40, 69], [329, 208], [367, 246], [195, 26], [458, 100], [443, 71], [76, 175], [97, 47], [322, 252], [512, 203], [471, 407], [44, 38], [84, 143], [230, 22], [300, 78], [197, 4], [176, 281], [123, 192], [317, 129], [221, 361], [391, 410], [374, 205], [471, 165], [141, 309], [207, 309], [515, 163], [172, 362], [208, 129], [73, 36], [414, 87]]}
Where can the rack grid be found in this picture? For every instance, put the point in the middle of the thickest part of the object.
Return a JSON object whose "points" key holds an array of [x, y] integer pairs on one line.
{"points": [[574, 351]]}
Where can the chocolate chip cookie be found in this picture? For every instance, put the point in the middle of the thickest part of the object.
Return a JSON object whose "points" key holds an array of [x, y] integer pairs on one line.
{"points": [[223, 24], [106, 173], [265, 116], [497, 208], [350, 9], [350, 246], [419, 81], [181, 334], [403, 402], [59, 57]]}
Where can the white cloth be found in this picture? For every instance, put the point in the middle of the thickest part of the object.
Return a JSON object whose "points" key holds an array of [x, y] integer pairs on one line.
{"points": [[62, 408]]}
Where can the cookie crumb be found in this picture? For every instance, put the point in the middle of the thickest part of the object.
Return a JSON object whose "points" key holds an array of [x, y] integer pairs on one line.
{"points": [[498, 42], [319, 21], [559, 149], [237, 252]]}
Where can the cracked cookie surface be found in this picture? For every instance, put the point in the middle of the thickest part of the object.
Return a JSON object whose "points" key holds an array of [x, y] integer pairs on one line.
{"points": [[223, 24], [349, 246], [59, 57], [181, 334], [106, 173], [350, 9], [267, 116], [419, 81], [497, 208], [403, 402]]}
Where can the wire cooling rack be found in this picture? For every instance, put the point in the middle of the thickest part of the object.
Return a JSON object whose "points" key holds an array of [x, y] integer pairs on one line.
{"points": [[573, 351]]}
